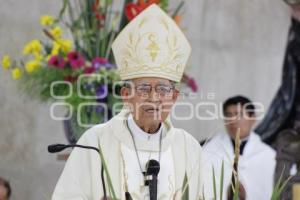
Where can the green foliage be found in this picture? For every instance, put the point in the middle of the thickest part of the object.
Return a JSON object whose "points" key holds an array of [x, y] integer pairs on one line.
{"points": [[164, 4], [37, 85], [185, 188], [279, 187], [214, 184], [222, 180]]}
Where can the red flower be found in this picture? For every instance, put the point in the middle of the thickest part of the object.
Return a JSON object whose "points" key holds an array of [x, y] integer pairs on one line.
{"points": [[133, 9], [75, 59], [57, 61], [190, 82], [89, 70], [95, 5], [100, 17], [95, 8]]}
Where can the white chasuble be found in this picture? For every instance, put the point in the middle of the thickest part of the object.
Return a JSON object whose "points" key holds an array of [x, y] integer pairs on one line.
{"points": [[180, 156]]}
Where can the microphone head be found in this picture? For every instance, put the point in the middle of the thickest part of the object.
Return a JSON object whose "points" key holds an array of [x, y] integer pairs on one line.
{"points": [[54, 148], [152, 167]]}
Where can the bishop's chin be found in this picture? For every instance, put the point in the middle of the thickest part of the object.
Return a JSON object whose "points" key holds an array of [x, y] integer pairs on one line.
{"points": [[154, 113]]}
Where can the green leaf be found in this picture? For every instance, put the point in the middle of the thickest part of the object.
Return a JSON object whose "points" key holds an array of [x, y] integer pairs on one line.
{"points": [[124, 20], [214, 183], [110, 185], [222, 180], [236, 188], [164, 5], [185, 189], [178, 9], [63, 9], [279, 187]]}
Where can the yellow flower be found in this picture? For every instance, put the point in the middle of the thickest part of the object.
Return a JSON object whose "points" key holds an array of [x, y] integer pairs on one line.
{"points": [[66, 46], [55, 49], [61, 46], [32, 65], [16, 73], [33, 46], [6, 62], [38, 56], [46, 20], [56, 32]]}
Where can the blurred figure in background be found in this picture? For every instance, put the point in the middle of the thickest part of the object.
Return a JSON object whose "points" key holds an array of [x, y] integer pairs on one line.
{"points": [[5, 190], [256, 160]]}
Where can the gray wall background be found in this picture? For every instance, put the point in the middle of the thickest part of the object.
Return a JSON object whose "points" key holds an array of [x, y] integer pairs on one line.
{"points": [[238, 48]]}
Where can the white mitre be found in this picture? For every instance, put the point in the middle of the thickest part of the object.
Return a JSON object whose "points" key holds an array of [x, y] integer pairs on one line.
{"points": [[151, 45]]}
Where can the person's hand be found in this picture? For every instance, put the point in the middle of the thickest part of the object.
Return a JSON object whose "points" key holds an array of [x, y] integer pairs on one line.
{"points": [[296, 11]]}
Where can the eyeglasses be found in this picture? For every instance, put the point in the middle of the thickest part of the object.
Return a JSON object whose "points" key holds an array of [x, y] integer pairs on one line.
{"points": [[161, 89]]}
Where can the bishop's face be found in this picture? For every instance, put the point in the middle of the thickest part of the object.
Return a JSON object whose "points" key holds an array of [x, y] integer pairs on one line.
{"points": [[238, 119], [150, 99]]}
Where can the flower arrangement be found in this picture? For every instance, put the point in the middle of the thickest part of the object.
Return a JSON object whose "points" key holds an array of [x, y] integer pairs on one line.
{"points": [[79, 70]]}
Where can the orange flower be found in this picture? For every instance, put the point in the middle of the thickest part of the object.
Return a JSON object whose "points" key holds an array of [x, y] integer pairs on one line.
{"points": [[178, 19]]}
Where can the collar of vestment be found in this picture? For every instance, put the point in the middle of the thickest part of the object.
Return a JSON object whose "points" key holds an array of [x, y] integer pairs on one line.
{"points": [[119, 129], [249, 149], [138, 133], [243, 143]]}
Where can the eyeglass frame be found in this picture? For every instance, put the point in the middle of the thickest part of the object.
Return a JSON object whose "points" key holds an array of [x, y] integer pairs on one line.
{"points": [[128, 84]]}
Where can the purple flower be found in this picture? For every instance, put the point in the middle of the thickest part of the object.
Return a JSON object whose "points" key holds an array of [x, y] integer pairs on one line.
{"points": [[57, 61], [101, 91], [99, 62], [76, 60], [109, 66], [99, 109]]}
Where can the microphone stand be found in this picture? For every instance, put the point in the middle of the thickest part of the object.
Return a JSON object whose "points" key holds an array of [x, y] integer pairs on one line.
{"points": [[54, 148]]}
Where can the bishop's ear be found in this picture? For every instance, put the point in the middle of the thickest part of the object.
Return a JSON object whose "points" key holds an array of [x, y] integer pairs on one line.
{"points": [[126, 93], [175, 94]]}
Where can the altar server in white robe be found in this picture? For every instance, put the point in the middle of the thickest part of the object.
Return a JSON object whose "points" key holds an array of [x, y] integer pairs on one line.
{"points": [[256, 162], [151, 54]]}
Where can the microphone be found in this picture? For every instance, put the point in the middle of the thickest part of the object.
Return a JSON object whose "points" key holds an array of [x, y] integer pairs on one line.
{"points": [[55, 148], [153, 168]]}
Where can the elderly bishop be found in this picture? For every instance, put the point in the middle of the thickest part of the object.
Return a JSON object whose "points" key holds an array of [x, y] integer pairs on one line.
{"points": [[151, 53]]}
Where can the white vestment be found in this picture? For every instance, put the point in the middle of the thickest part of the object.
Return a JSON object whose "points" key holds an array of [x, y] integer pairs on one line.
{"points": [[180, 156], [256, 166]]}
